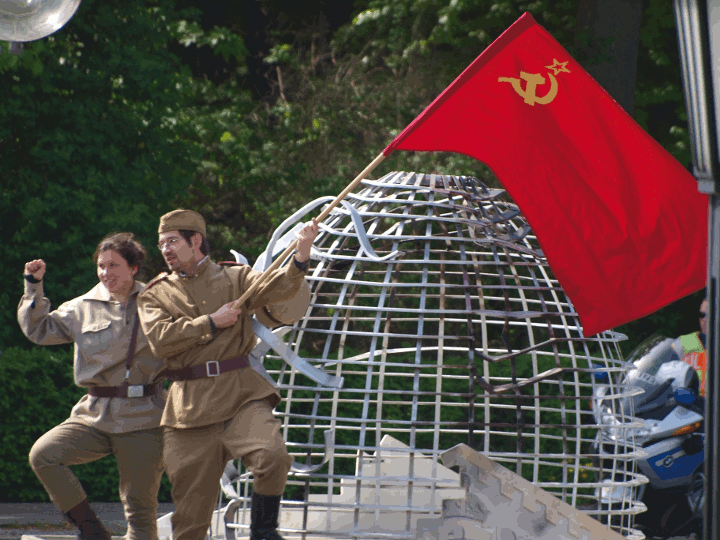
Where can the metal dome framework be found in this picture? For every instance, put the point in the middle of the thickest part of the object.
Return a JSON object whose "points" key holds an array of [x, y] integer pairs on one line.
{"points": [[449, 329]]}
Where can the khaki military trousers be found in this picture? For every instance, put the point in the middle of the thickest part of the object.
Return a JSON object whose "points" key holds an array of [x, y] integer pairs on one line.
{"points": [[195, 460], [139, 460]]}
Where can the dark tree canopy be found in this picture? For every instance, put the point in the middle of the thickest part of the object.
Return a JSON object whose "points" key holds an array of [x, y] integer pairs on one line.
{"points": [[93, 140], [609, 35], [246, 109]]}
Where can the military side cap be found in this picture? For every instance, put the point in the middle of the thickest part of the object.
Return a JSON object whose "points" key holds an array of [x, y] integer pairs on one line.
{"points": [[182, 220], [287, 311]]}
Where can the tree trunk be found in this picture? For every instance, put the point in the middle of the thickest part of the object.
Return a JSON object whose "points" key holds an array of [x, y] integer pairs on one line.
{"points": [[609, 34]]}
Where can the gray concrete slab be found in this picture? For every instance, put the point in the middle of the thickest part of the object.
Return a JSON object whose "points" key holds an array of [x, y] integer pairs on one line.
{"points": [[42, 521]]}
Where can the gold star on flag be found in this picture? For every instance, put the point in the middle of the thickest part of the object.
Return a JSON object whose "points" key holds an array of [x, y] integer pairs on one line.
{"points": [[557, 67]]}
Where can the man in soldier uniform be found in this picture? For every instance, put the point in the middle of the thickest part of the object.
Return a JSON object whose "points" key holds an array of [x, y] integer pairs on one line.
{"points": [[218, 408]]}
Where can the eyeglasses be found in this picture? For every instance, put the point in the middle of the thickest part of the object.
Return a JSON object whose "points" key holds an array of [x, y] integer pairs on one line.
{"points": [[703, 314], [170, 242]]}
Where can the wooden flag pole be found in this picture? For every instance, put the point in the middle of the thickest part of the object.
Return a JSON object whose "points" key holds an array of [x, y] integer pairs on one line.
{"points": [[352, 185]]}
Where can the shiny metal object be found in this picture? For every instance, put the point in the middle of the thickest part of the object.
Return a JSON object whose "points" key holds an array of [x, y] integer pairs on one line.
{"points": [[28, 20], [698, 30], [135, 390], [448, 328], [691, 19], [297, 363]]}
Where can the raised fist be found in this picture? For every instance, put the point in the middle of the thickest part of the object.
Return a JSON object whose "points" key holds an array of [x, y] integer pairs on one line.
{"points": [[36, 268]]}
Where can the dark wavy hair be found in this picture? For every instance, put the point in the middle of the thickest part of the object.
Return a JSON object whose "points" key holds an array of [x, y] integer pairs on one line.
{"points": [[204, 245], [126, 245]]}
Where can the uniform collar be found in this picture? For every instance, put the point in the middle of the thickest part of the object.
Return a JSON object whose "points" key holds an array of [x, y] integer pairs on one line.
{"points": [[200, 267], [100, 292]]}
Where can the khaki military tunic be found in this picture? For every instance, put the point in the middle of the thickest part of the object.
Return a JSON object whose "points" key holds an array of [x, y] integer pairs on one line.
{"points": [[101, 329], [175, 316]]}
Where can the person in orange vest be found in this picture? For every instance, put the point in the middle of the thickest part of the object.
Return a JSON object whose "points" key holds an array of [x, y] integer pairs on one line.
{"points": [[691, 347]]}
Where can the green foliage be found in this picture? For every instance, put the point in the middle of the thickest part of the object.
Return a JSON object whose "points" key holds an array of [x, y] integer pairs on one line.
{"points": [[93, 143], [660, 107], [336, 99], [38, 394]]}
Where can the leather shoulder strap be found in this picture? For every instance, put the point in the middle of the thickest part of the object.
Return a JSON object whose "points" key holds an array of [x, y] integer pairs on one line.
{"points": [[131, 349]]}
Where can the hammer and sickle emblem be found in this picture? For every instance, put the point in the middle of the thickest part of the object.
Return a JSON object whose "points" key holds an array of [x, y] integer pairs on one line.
{"points": [[532, 80]]}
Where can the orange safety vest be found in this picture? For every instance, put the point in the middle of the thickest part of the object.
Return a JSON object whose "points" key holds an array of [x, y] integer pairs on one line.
{"points": [[695, 355]]}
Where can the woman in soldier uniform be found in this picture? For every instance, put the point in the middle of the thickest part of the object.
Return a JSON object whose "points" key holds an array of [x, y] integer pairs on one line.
{"points": [[120, 414]]}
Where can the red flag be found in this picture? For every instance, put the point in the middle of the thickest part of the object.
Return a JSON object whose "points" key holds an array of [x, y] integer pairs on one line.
{"points": [[621, 222]]}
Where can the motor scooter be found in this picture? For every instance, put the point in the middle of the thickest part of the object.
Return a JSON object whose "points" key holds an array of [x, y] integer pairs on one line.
{"points": [[657, 404]]}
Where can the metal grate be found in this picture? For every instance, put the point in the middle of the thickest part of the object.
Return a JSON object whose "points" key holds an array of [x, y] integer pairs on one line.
{"points": [[464, 336]]}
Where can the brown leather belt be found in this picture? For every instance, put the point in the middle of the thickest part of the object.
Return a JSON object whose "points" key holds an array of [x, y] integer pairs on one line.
{"points": [[125, 390], [213, 368]]}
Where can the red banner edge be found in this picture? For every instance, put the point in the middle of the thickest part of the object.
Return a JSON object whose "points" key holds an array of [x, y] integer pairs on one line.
{"points": [[525, 21]]}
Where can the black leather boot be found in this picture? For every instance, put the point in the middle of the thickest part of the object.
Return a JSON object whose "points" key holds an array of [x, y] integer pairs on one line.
{"points": [[84, 518], [264, 517]]}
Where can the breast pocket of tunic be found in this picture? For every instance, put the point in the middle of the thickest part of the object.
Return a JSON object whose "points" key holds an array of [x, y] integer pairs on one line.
{"points": [[96, 337]]}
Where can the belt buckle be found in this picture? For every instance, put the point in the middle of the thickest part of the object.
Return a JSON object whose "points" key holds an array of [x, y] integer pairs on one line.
{"points": [[135, 390], [217, 368]]}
